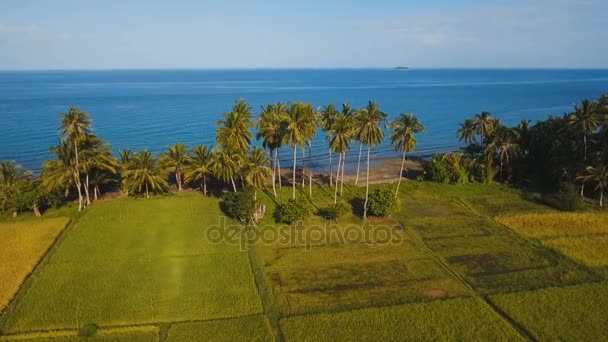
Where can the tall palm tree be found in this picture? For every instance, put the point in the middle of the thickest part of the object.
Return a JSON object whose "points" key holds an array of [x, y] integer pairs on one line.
{"points": [[176, 160], [257, 173], [61, 174], [295, 134], [504, 141], [371, 110], [370, 132], [585, 119], [350, 115], [124, 158], [466, 131], [226, 165], [599, 176], [341, 135], [483, 125], [271, 127], [75, 127], [327, 117], [96, 157], [310, 131], [199, 167], [403, 137], [234, 131], [144, 173]]}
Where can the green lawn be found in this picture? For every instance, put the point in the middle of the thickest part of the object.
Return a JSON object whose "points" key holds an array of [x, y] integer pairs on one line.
{"points": [[457, 319], [576, 313], [137, 261]]}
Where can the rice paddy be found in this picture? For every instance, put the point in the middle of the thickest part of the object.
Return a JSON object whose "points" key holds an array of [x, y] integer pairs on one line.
{"points": [[146, 270]]}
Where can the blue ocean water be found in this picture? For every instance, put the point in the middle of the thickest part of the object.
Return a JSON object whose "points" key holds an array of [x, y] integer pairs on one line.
{"points": [[154, 109]]}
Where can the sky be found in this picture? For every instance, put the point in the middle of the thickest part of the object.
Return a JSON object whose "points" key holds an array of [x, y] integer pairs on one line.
{"points": [[224, 34]]}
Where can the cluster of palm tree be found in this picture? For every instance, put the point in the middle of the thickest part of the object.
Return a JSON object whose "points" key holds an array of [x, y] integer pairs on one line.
{"points": [[570, 148], [84, 165]]}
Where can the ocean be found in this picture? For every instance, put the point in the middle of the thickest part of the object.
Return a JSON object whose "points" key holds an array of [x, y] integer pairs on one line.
{"points": [[157, 108]]}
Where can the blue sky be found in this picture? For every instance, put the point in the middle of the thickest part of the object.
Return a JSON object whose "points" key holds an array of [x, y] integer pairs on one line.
{"points": [[112, 34]]}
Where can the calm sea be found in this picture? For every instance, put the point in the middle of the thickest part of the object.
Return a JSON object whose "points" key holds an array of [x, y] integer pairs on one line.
{"points": [[154, 109]]}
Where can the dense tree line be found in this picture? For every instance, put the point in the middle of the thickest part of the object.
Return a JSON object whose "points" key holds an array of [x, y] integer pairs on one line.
{"points": [[547, 156], [84, 166], [571, 149]]}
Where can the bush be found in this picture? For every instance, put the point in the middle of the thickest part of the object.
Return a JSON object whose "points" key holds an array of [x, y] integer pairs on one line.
{"points": [[335, 211], [382, 202], [566, 198], [88, 330], [436, 171], [294, 210], [239, 205]]}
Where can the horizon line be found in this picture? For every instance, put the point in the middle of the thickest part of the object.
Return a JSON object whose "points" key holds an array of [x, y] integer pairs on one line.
{"points": [[396, 68]]}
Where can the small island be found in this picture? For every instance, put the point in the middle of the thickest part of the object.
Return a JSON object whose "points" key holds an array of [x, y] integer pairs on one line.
{"points": [[401, 68]]}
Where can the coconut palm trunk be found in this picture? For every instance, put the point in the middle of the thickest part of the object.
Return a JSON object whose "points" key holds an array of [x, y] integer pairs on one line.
{"points": [[337, 178], [78, 188], [303, 166], [342, 175], [86, 189], [233, 184], [400, 174], [366, 186], [585, 159], [147, 191], [358, 164], [274, 171], [330, 170], [178, 179], [293, 181], [310, 169]]}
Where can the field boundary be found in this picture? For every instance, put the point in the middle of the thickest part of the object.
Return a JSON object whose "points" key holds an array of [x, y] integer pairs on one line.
{"points": [[42, 260]]}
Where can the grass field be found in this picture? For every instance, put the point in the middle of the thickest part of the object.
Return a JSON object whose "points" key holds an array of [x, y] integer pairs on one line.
{"points": [[137, 261], [146, 270], [21, 247], [580, 236], [438, 320], [576, 313]]}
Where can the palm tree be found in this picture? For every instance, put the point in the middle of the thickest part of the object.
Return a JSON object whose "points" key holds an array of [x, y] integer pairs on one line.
{"points": [[176, 160], [125, 157], [466, 131], [309, 134], [271, 127], [61, 173], [585, 119], [144, 172], [97, 158], [257, 173], [599, 176], [504, 141], [295, 134], [371, 110], [199, 166], [341, 134], [403, 137], [226, 165], [75, 127], [10, 174], [348, 114], [327, 117], [370, 132], [483, 125], [100, 178], [234, 132]]}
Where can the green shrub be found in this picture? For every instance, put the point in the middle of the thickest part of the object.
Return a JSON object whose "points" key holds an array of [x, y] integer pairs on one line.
{"points": [[88, 330], [294, 210], [335, 211], [436, 171], [239, 205], [382, 202], [566, 198]]}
